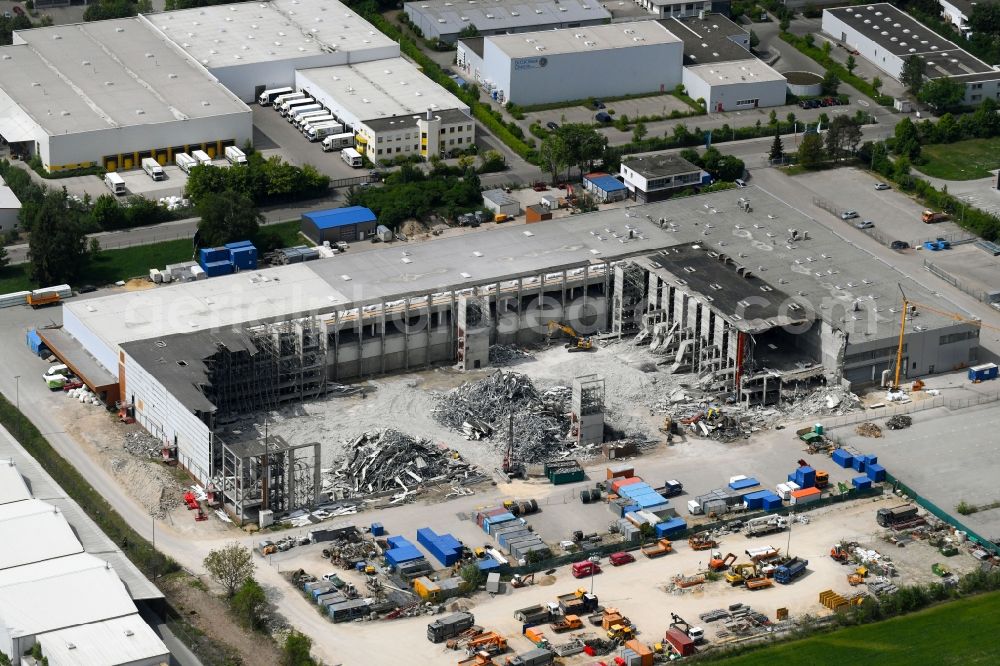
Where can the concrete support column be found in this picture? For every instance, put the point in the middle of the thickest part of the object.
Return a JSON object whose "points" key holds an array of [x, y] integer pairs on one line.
{"points": [[361, 349], [406, 333], [382, 338]]}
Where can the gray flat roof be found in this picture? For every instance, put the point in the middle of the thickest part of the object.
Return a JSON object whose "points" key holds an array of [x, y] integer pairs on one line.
{"points": [[658, 165], [447, 116], [453, 16], [382, 89], [588, 38], [902, 35], [708, 40], [107, 74], [735, 71], [474, 44], [248, 32]]}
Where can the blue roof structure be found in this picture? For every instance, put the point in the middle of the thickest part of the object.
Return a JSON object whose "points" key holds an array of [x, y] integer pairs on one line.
{"points": [[340, 217], [607, 183]]}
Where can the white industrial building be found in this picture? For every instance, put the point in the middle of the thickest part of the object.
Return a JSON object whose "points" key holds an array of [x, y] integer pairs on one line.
{"points": [[886, 37], [392, 107], [575, 63], [54, 592], [111, 93], [675, 8], [253, 46], [10, 208], [446, 19], [957, 12], [653, 177]]}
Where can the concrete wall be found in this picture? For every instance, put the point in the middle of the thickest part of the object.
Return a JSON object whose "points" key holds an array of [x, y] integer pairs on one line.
{"points": [[975, 93], [469, 62], [728, 95], [570, 76], [840, 31], [104, 354], [164, 417], [924, 354], [8, 218]]}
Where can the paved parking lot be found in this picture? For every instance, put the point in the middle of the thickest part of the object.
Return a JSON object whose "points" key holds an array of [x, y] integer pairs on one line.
{"points": [[655, 105], [273, 135]]}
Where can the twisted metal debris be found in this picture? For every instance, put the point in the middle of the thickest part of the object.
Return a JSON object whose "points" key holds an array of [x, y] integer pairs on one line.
{"points": [[501, 355]]}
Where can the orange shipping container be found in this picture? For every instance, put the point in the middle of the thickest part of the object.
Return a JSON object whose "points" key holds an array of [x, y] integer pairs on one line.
{"points": [[534, 635], [805, 495], [641, 649], [620, 471], [618, 484]]}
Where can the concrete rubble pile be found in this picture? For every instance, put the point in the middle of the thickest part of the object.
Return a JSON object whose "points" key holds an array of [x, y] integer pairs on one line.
{"points": [[501, 355], [142, 445], [869, 429], [388, 460], [482, 410], [898, 422]]}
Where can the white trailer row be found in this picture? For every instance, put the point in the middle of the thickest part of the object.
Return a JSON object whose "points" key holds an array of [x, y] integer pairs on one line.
{"points": [[316, 122]]}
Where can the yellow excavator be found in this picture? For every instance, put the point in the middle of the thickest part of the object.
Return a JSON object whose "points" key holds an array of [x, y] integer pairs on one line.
{"points": [[577, 342], [739, 573]]}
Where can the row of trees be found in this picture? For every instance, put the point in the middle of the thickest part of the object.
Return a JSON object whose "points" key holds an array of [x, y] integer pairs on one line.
{"points": [[571, 145], [842, 138], [112, 9], [909, 136], [411, 194], [721, 167], [941, 94]]}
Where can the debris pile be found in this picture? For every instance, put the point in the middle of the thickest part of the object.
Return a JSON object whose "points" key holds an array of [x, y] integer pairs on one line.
{"points": [[898, 422], [869, 429], [141, 444], [501, 355], [483, 410], [388, 460]]}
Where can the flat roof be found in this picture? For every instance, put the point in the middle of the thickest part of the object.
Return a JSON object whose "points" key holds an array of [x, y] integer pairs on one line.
{"points": [[735, 71], [902, 35], [34, 531], [77, 358], [121, 640], [107, 74], [12, 485], [474, 44], [382, 89], [339, 217], [7, 197], [447, 116], [451, 16], [658, 165], [605, 181], [708, 39], [60, 593], [587, 38], [249, 32]]}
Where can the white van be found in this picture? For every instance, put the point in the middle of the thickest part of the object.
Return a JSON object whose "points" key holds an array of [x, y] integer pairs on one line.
{"points": [[297, 111], [153, 169], [290, 104], [201, 157], [235, 156], [115, 183], [352, 157], [322, 130], [338, 141], [268, 96], [185, 162]]}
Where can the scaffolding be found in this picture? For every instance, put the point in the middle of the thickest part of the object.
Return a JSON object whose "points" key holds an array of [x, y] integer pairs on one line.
{"points": [[629, 297], [588, 409]]}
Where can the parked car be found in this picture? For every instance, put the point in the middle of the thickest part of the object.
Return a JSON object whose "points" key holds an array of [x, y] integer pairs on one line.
{"points": [[899, 245], [598, 104], [882, 186], [865, 224], [552, 126], [740, 183], [849, 215], [620, 558], [603, 117]]}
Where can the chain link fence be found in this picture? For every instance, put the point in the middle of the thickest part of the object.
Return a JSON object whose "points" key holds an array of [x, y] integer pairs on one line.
{"points": [[908, 408], [978, 294]]}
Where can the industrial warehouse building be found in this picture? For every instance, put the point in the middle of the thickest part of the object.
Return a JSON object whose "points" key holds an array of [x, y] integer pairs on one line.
{"points": [[562, 65], [349, 224], [250, 47], [743, 290], [392, 107], [10, 208], [446, 19], [719, 68], [111, 93], [886, 37]]}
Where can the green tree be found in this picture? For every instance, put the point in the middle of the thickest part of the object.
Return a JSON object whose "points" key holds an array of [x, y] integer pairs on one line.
{"points": [[772, 118], [472, 578], [722, 167], [250, 604], [790, 118], [4, 660], [4, 260], [827, 47], [877, 84], [810, 153], [907, 139], [57, 242], [912, 75], [842, 136], [777, 149], [109, 9], [754, 40], [942, 94], [583, 144], [205, 180], [830, 84], [295, 651], [230, 566], [639, 132], [553, 155], [783, 24], [985, 19], [850, 64], [107, 213]]}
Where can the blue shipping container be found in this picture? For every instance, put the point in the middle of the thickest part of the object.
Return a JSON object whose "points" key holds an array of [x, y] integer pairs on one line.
{"points": [[668, 527], [876, 472], [377, 529], [488, 564], [771, 503], [217, 268], [397, 541], [805, 477], [861, 482], [858, 464], [238, 244], [870, 459], [744, 483], [843, 457], [635, 490]]}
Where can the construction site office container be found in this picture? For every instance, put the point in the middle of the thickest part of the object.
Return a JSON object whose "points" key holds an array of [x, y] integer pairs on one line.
{"points": [[330, 598], [979, 373], [321, 589], [669, 527], [871, 459], [859, 463], [487, 564], [771, 502], [861, 482], [426, 589], [876, 472], [806, 495], [348, 610]]}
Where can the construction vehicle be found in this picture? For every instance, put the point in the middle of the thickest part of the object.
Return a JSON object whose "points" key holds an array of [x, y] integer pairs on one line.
{"points": [[568, 623], [661, 547], [577, 342], [697, 634], [930, 217], [896, 516], [448, 627], [739, 573], [621, 633], [791, 570], [520, 580], [857, 576], [702, 542], [577, 602], [822, 479], [758, 582], [841, 552], [490, 642], [762, 553], [534, 635], [464, 638], [764, 525], [721, 563]]}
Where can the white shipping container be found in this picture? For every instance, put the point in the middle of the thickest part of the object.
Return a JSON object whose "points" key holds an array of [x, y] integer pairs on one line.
{"points": [[694, 508], [155, 276], [185, 162], [235, 156], [201, 157]]}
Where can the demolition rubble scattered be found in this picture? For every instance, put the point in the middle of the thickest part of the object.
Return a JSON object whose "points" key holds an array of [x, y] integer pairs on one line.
{"points": [[869, 429], [503, 355], [141, 444]]}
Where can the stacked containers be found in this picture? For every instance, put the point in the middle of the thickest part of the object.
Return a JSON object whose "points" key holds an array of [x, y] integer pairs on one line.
{"points": [[771, 502], [859, 463], [445, 548], [843, 457], [804, 476], [861, 482], [244, 258], [875, 472], [669, 527], [755, 500], [618, 483], [806, 495], [401, 551], [632, 535]]}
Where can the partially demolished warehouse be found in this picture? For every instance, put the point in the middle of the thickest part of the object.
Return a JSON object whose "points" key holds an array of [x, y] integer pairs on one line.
{"points": [[743, 291]]}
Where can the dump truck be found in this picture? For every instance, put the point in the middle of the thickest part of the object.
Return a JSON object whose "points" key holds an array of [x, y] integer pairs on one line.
{"points": [[533, 614], [930, 217], [577, 603], [896, 515], [791, 570], [758, 582], [568, 623], [447, 627], [661, 547], [702, 542], [535, 635]]}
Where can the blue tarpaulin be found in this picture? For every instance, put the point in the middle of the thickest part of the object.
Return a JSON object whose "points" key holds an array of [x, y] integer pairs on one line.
{"points": [[340, 217]]}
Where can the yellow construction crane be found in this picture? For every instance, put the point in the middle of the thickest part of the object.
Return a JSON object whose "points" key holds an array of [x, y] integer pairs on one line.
{"points": [[910, 308]]}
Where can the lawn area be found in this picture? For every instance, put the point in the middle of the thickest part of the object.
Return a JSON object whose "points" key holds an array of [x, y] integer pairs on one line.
{"points": [[964, 160], [959, 632]]}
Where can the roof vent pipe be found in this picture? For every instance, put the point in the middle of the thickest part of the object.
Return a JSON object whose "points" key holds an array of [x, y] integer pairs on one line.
{"points": [[430, 113]]}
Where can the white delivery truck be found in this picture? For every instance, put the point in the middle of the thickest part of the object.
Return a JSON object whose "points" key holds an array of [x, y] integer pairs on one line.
{"points": [[352, 157], [153, 169], [185, 162], [289, 104], [115, 183], [268, 96], [338, 141], [281, 99], [312, 118], [322, 130], [295, 112], [201, 157], [235, 156]]}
